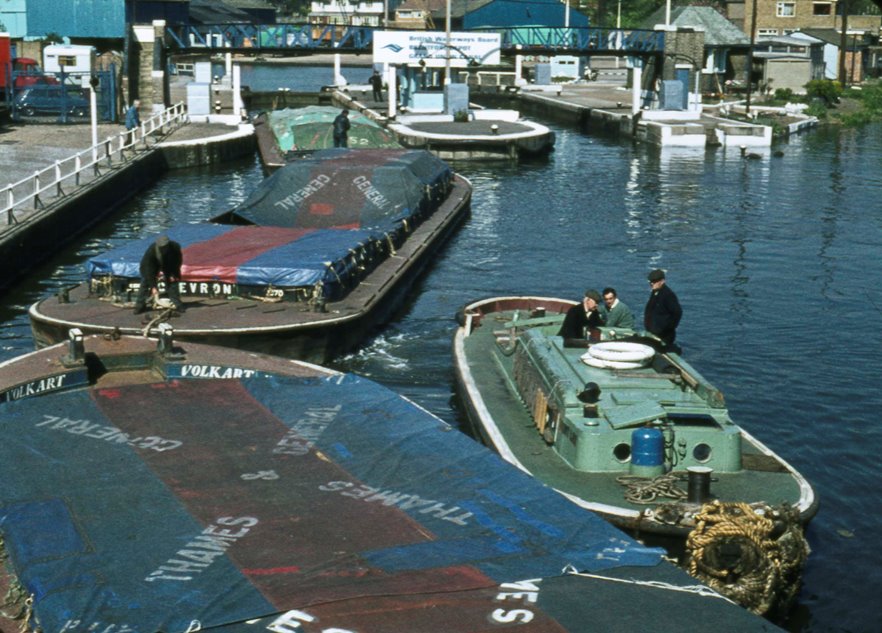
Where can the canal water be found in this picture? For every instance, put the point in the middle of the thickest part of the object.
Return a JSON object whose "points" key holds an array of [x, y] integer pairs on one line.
{"points": [[774, 260]]}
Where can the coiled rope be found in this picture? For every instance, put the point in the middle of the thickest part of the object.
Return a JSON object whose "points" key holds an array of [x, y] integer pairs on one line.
{"points": [[753, 555], [643, 490]]}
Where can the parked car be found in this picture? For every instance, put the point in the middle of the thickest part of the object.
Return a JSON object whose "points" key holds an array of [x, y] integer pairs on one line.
{"points": [[52, 99]]}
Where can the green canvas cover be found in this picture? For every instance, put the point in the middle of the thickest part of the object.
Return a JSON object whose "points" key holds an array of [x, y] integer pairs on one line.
{"points": [[311, 128]]}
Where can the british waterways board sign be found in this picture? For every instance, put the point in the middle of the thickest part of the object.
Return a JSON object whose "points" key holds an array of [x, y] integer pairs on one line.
{"points": [[431, 48], [314, 504]]}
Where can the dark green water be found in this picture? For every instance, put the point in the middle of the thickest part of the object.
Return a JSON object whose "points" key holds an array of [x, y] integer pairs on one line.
{"points": [[774, 261]]}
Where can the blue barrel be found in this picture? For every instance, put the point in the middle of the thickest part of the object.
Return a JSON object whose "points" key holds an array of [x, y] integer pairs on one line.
{"points": [[647, 452]]}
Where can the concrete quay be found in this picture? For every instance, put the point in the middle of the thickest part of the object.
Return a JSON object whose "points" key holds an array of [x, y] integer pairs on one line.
{"points": [[607, 108], [34, 230]]}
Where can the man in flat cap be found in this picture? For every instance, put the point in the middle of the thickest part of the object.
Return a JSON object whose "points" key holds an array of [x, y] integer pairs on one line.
{"points": [[582, 317], [663, 312], [163, 257]]}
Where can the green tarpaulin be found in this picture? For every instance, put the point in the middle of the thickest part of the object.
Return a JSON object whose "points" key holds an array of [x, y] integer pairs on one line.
{"points": [[311, 128]]}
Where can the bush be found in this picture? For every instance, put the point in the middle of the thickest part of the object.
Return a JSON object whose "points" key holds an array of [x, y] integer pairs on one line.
{"points": [[461, 116], [783, 94], [817, 109], [827, 89], [856, 119]]}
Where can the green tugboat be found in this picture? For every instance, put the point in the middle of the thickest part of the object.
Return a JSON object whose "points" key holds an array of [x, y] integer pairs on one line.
{"points": [[641, 438]]}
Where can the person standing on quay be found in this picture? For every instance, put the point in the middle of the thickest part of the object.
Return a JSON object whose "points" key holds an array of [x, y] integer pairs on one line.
{"points": [[341, 129], [376, 82], [133, 118], [663, 312]]}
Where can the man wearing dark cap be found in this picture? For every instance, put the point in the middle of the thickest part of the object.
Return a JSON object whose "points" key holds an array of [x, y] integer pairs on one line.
{"points": [[376, 82], [164, 258], [582, 317], [663, 312], [341, 129]]}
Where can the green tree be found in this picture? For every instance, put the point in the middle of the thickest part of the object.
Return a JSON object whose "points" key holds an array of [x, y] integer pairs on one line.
{"points": [[825, 89]]}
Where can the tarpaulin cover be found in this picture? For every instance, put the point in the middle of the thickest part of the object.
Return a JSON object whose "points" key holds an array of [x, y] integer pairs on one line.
{"points": [[254, 256], [200, 503], [312, 128], [371, 189]]}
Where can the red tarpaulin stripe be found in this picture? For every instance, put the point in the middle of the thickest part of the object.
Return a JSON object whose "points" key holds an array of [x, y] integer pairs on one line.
{"points": [[218, 259], [227, 466]]}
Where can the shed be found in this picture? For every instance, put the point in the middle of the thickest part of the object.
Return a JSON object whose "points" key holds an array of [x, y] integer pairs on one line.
{"points": [[856, 53], [787, 62], [722, 41]]}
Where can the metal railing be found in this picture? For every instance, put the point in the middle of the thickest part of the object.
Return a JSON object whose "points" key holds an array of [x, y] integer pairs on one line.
{"points": [[346, 38], [115, 151]]}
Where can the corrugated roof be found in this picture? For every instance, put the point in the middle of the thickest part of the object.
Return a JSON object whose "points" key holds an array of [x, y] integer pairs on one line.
{"points": [[830, 36], [250, 4], [718, 31], [214, 12], [458, 8]]}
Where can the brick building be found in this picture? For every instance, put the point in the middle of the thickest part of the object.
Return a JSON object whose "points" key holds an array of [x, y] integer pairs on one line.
{"points": [[782, 17]]}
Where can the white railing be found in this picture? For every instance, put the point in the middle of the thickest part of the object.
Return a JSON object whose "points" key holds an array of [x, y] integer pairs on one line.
{"points": [[109, 154]]}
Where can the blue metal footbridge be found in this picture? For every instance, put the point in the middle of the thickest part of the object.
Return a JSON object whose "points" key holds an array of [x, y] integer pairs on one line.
{"points": [[294, 39]]}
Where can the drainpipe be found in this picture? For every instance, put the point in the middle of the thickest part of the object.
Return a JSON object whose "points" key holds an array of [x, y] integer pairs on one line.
{"points": [[843, 41], [750, 54]]}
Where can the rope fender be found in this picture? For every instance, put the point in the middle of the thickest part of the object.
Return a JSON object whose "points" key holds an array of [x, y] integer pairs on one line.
{"points": [[752, 555]]}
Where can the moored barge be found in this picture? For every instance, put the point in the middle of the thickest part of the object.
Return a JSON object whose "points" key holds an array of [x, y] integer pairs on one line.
{"points": [[320, 254], [638, 436], [155, 485]]}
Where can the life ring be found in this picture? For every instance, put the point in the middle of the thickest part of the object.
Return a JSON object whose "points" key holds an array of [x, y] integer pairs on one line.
{"points": [[588, 359], [620, 351]]}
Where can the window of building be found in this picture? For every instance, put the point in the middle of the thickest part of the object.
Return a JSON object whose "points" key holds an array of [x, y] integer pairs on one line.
{"points": [[785, 9], [766, 32], [822, 8]]}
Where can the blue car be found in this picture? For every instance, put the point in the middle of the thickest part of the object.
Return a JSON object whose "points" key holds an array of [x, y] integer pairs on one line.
{"points": [[52, 99]]}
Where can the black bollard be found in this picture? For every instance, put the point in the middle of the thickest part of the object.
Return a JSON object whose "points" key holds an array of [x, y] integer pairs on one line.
{"points": [[699, 483]]}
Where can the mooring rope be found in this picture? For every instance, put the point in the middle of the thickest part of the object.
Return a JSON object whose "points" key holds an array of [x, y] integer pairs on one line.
{"points": [[655, 584]]}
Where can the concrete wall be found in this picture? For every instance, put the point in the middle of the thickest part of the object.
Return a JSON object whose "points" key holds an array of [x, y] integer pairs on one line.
{"points": [[787, 73]]}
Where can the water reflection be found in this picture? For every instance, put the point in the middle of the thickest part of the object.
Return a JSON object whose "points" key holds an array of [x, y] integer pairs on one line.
{"points": [[775, 262]]}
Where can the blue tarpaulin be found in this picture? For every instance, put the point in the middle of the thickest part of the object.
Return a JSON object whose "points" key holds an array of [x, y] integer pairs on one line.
{"points": [[254, 257], [153, 507], [322, 222]]}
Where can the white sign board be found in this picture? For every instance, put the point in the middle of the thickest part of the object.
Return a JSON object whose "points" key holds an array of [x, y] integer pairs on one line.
{"points": [[412, 47]]}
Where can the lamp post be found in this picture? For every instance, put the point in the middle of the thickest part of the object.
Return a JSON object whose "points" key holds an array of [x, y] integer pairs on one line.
{"points": [[618, 28], [93, 107], [447, 47]]}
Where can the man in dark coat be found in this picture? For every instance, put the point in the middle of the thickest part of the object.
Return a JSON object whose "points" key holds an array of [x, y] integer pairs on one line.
{"points": [[376, 82], [582, 317], [163, 257], [663, 312], [341, 129]]}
